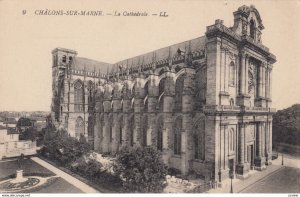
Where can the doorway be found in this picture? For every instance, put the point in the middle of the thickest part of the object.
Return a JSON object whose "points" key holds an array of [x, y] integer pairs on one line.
{"points": [[231, 166], [250, 155]]}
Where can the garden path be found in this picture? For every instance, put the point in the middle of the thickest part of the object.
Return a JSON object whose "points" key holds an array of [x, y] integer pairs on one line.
{"points": [[75, 182]]}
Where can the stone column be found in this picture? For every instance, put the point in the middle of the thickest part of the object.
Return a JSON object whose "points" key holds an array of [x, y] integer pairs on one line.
{"points": [[226, 70], [270, 140], [271, 83], [267, 83], [167, 128], [126, 130], [168, 118], [259, 161], [98, 126], [268, 150], [152, 103], [116, 125], [246, 73], [260, 80], [137, 121], [85, 112], [242, 168], [264, 80], [263, 139], [243, 97], [242, 75], [106, 128], [151, 133], [187, 122]]}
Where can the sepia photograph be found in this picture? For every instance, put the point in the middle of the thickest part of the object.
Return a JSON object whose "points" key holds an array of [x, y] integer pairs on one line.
{"points": [[158, 97]]}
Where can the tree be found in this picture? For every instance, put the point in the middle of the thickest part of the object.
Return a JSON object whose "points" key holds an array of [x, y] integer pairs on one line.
{"points": [[28, 134], [63, 148], [25, 122], [141, 169]]}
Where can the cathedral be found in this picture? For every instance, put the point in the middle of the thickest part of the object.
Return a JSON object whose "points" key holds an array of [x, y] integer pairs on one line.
{"points": [[205, 103]]}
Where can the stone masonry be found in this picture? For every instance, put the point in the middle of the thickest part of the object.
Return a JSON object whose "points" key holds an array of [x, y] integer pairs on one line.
{"points": [[204, 103]]}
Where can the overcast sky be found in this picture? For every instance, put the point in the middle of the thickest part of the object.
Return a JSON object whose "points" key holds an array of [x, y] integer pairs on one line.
{"points": [[26, 41]]}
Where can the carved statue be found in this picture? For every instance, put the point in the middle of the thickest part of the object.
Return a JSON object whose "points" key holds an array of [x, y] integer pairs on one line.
{"points": [[244, 27], [20, 161]]}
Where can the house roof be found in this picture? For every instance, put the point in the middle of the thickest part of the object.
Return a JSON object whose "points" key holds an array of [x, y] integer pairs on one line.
{"points": [[10, 121], [12, 131]]}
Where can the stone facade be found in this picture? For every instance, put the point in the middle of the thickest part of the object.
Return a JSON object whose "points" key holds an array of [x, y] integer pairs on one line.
{"points": [[204, 103]]}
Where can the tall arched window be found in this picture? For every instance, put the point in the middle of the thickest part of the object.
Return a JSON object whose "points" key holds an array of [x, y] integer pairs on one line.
{"points": [[146, 87], [91, 126], [144, 130], [110, 125], [91, 98], [121, 130], [160, 134], [178, 93], [131, 128], [231, 74], [199, 139], [79, 127], [177, 135], [252, 29], [78, 96], [161, 89]]}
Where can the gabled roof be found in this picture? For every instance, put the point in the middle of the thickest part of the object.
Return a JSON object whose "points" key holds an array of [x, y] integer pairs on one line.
{"points": [[10, 121], [81, 63], [196, 44]]}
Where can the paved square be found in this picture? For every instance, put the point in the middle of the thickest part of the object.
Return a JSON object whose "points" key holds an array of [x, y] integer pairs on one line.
{"points": [[285, 180]]}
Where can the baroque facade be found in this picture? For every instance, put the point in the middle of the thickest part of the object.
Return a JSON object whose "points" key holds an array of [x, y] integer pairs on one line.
{"points": [[204, 103]]}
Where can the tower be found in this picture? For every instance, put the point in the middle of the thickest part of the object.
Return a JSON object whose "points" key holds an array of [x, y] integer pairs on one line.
{"points": [[61, 66]]}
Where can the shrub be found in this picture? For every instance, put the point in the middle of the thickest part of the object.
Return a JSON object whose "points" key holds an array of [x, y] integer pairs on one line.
{"points": [[65, 149], [173, 171], [141, 169]]}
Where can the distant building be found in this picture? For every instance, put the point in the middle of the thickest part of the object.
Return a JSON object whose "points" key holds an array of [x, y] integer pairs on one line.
{"points": [[204, 103], [11, 146], [10, 122]]}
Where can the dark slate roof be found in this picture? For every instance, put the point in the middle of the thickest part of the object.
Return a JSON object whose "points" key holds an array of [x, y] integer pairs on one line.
{"points": [[81, 63], [12, 131], [10, 121], [196, 44], [89, 65]]}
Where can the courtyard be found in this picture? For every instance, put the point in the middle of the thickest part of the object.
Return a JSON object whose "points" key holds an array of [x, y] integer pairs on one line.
{"points": [[285, 180], [276, 178]]}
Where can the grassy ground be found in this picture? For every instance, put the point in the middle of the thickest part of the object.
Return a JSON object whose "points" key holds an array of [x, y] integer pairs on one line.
{"points": [[60, 186], [283, 181], [8, 168]]}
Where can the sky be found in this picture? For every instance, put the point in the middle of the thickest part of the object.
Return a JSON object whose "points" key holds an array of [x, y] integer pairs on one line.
{"points": [[26, 41]]}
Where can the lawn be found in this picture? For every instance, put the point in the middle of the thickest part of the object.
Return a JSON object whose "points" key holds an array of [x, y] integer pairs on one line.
{"points": [[59, 186], [8, 168]]}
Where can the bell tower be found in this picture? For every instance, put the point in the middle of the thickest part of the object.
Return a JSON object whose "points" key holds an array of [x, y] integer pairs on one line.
{"points": [[61, 63]]}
